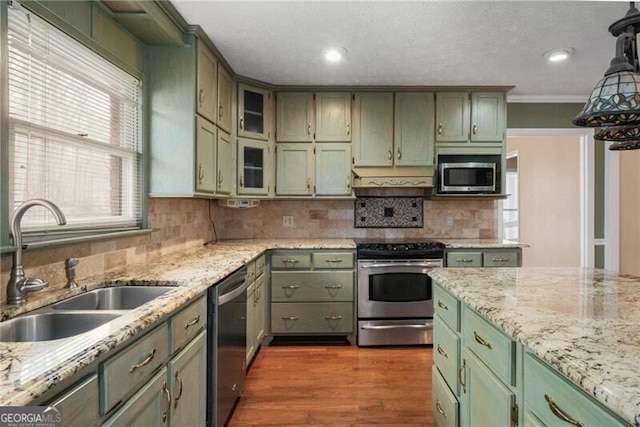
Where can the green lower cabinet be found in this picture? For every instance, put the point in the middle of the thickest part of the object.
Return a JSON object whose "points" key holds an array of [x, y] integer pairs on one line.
{"points": [[445, 404], [79, 404], [188, 388], [484, 401], [148, 407]]}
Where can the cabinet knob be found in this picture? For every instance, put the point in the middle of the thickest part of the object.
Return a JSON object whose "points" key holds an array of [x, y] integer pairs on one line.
{"points": [[220, 177], [241, 123], [398, 154], [200, 173], [308, 184], [474, 130], [389, 154], [439, 129], [308, 128], [241, 181], [201, 97], [348, 128]]}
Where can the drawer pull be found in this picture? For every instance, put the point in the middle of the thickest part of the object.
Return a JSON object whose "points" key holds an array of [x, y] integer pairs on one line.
{"points": [[439, 408], [333, 261], [167, 394], [290, 261], [178, 381], [290, 317], [560, 413], [442, 305], [333, 286], [192, 322], [333, 317], [145, 362], [481, 340], [290, 286], [501, 259], [462, 374], [464, 260], [442, 352]]}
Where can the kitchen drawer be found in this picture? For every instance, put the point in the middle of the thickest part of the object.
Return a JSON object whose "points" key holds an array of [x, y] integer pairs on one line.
{"points": [[492, 346], [301, 318], [311, 286], [132, 367], [445, 404], [541, 382], [446, 348], [500, 259], [260, 265], [281, 261], [464, 259], [447, 307], [332, 260], [186, 324]]}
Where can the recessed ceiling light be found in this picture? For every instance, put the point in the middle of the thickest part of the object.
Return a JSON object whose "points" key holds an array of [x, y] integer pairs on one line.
{"points": [[335, 54], [558, 55]]}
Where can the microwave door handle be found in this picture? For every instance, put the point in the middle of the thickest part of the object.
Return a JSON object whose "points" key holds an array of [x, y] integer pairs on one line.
{"points": [[401, 264]]}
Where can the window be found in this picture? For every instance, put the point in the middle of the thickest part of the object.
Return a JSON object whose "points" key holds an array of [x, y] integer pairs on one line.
{"points": [[510, 212], [74, 131]]}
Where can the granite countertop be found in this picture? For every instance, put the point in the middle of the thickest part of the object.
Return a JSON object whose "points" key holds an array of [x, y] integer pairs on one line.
{"points": [[481, 244], [584, 323], [27, 370]]}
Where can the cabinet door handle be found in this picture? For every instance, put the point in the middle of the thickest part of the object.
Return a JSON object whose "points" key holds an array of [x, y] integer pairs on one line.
{"points": [[439, 129], [241, 123], [308, 128], [442, 352], [333, 286], [192, 322], [333, 317], [178, 381], [462, 374], [200, 173], [398, 154], [555, 409], [290, 261], [333, 261], [290, 286], [348, 129], [308, 184], [439, 409], [241, 181], [464, 260], [167, 394], [501, 259], [389, 154], [348, 182], [220, 177], [481, 340], [474, 130], [145, 362], [220, 111], [290, 317], [442, 305], [201, 97]]}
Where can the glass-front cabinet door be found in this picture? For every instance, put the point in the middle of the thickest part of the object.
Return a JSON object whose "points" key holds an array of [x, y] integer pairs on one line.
{"points": [[253, 112], [253, 177]]}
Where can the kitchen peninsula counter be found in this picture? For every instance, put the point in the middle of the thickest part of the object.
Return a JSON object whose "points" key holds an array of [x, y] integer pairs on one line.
{"points": [[29, 370], [584, 323]]}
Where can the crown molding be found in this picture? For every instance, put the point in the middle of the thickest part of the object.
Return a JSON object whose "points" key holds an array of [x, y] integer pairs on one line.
{"points": [[579, 99]]}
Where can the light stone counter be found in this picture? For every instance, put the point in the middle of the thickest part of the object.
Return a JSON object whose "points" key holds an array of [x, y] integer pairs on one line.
{"points": [[28, 370], [481, 244], [584, 323]]}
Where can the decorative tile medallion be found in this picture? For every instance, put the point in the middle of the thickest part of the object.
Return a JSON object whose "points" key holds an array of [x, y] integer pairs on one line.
{"points": [[388, 212]]}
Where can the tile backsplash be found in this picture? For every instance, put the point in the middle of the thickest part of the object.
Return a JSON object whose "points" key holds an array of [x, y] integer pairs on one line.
{"points": [[179, 224], [388, 212]]}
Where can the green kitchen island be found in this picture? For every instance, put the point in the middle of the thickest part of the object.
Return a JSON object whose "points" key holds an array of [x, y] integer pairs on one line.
{"points": [[536, 347]]}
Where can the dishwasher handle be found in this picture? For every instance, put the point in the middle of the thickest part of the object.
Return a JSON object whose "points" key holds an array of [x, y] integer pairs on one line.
{"points": [[232, 287]]}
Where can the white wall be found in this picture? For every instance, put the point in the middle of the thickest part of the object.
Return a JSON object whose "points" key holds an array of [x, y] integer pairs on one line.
{"points": [[630, 212], [549, 177]]}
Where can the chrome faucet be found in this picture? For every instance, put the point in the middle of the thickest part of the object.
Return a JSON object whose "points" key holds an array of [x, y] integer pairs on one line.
{"points": [[18, 285], [70, 271]]}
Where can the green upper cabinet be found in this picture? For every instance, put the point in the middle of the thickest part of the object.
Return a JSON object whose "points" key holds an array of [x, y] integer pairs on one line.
{"points": [[207, 99], [224, 162], [414, 128], [294, 117], [206, 144], [488, 116], [254, 160], [225, 99], [470, 116], [333, 116], [373, 129], [254, 109], [294, 170], [333, 172]]}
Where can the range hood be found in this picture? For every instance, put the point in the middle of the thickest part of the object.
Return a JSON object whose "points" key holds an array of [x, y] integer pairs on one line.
{"points": [[393, 177]]}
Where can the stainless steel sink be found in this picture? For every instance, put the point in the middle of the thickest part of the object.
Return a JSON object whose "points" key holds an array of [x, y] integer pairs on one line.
{"points": [[118, 298], [51, 325]]}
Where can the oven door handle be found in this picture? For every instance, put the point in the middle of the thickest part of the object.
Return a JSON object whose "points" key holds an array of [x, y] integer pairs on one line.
{"points": [[427, 325], [400, 264]]}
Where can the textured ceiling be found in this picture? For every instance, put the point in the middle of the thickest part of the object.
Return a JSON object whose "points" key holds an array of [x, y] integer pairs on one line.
{"points": [[415, 43]]}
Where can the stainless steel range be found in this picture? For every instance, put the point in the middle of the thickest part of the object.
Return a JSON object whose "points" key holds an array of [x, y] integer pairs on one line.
{"points": [[395, 295]]}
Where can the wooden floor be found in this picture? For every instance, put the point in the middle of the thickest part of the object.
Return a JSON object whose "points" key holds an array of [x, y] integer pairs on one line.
{"points": [[331, 385]]}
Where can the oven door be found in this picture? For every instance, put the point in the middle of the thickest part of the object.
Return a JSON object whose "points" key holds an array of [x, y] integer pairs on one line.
{"points": [[395, 289]]}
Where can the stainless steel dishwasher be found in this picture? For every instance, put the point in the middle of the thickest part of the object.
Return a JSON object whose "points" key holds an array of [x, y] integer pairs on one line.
{"points": [[227, 317]]}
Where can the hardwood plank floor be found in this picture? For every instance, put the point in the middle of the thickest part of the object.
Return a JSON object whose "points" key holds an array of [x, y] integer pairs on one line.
{"points": [[330, 385]]}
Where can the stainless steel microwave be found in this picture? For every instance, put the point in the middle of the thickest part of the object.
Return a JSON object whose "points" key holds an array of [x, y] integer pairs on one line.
{"points": [[467, 177]]}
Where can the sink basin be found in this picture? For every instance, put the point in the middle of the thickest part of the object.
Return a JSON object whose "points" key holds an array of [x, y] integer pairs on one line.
{"points": [[51, 326], [118, 298]]}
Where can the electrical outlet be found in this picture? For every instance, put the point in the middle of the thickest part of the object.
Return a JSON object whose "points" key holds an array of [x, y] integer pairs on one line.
{"points": [[287, 221], [449, 220]]}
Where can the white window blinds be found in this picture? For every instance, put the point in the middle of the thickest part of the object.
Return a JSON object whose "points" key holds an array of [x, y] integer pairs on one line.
{"points": [[74, 130]]}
